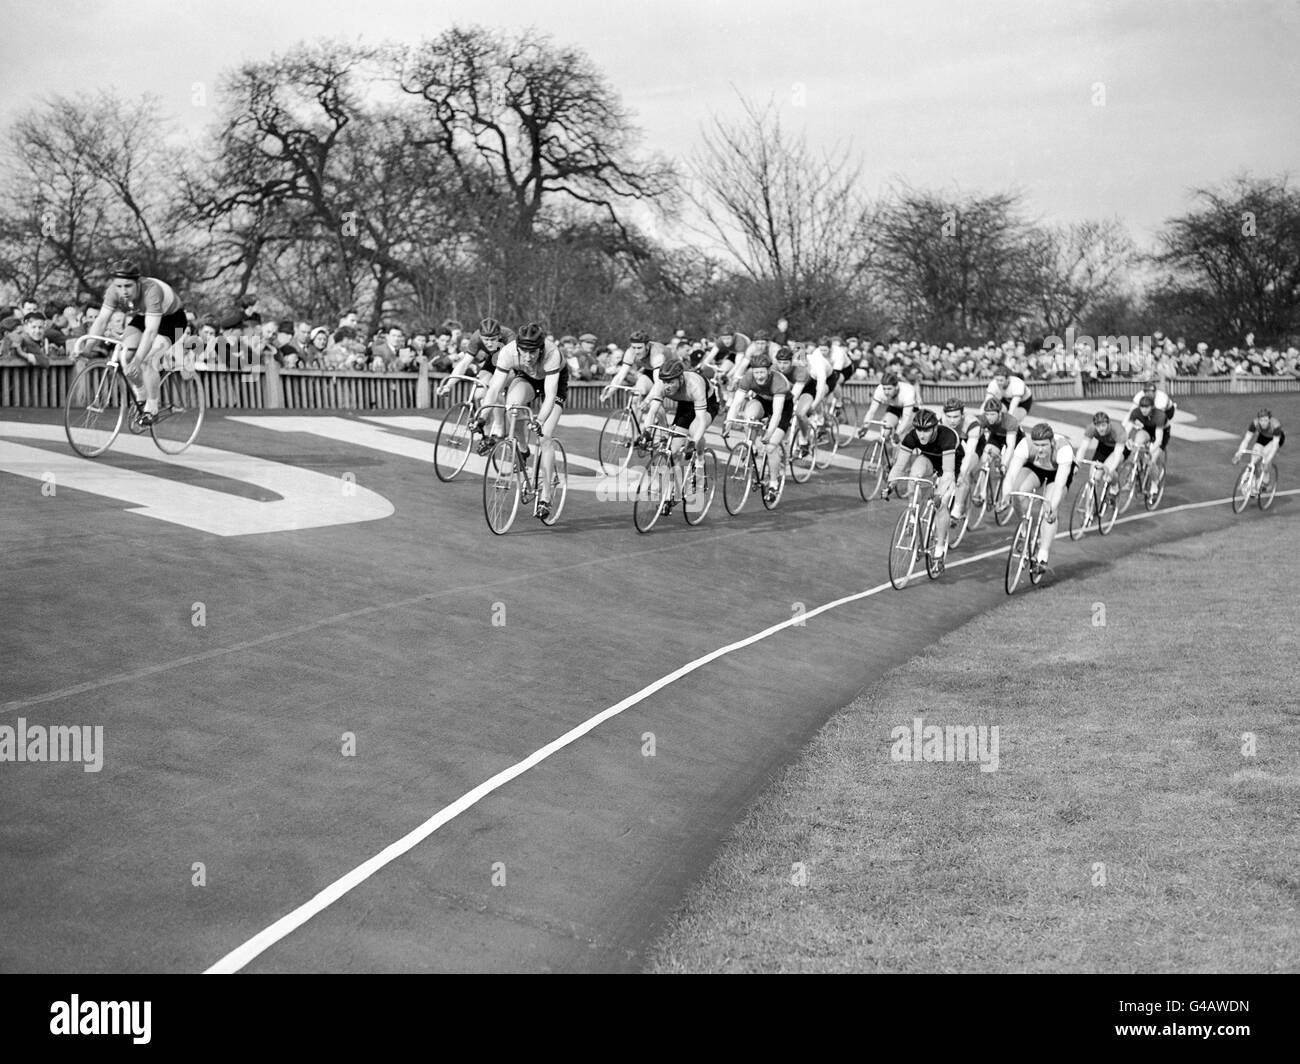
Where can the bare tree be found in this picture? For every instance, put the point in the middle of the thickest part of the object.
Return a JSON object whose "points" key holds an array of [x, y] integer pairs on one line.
{"points": [[1078, 268]]}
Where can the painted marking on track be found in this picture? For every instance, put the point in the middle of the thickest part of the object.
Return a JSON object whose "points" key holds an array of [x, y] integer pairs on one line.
{"points": [[248, 951], [1182, 428], [307, 499]]}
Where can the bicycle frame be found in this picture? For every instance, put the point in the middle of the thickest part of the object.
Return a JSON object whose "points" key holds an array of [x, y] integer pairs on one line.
{"points": [[1090, 506], [664, 481], [1024, 545], [914, 535], [877, 461], [516, 481], [1251, 484], [733, 495]]}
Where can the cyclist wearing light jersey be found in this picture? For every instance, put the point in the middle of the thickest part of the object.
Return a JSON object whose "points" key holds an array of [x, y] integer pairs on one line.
{"points": [[969, 433], [765, 392], [479, 350], [1264, 436], [932, 449], [1043, 462], [898, 399], [155, 320], [1011, 391], [541, 372], [1104, 441], [1163, 403], [643, 357], [697, 405], [814, 386]]}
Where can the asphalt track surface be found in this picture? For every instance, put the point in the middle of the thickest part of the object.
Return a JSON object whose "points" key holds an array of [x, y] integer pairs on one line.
{"points": [[223, 741]]}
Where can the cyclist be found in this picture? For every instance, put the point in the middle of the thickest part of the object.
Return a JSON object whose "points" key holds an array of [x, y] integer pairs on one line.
{"points": [[811, 387], [643, 356], [726, 349], [1162, 401], [155, 320], [1104, 441], [1145, 424], [899, 400], [1011, 391], [1264, 436], [479, 349], [1002, 430], [765, 392], [933, 450], [541, 372], [969, 434], [1043, 462], [697, 405]]}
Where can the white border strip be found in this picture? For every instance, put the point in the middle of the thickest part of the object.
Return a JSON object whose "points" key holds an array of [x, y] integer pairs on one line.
{"points": [[263, 940]]}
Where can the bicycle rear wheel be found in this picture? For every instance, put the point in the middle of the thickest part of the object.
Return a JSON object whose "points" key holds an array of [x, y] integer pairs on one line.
{"points": [[871, 472], [1109, 510], [1017, 556], [501, 487], [453, 443], [828, 441], [1128, 483], [614, 448], [651, 492], [772, 498], [737, 479], [559, 482], [1267, 488], [928, 523], [701, 484], [979, 501], [96, 406], [802, 468], [903, 549], [180, 412], [959, 532], [1035, 575]]}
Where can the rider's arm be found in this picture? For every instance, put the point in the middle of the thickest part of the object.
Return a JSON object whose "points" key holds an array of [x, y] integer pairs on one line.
{"points": [[495, 386], [550, 389], [1056, 491], [947, 482], [774, 422], [969, 457], [617, 379], [702, 420]]}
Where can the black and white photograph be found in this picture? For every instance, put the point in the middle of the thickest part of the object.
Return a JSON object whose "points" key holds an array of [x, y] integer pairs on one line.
{"points": [[701, 487]]}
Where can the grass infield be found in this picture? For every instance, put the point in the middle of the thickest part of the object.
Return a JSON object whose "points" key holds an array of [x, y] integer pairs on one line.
{"points": [[1124, 830]]}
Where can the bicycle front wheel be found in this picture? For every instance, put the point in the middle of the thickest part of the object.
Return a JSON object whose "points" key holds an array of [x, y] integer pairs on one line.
{"points": [[1082, 512], [1128, 483], [180, 412], [771, 491], [828, 441], [1000, 517], [1241, 491], [96, 406], [501, 487], [903, 549], [1018, 555], [559, 482], [979, 501], [701, 483], [453, 443], [931, 540], [1154, 488], [737, 479], [871, 472], [614, 448], [651, 493], [1108, 510], [1267, 488]]}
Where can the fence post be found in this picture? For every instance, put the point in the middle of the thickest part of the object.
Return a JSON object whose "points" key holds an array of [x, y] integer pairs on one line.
{"points": [[422, 386], [272, 388]]}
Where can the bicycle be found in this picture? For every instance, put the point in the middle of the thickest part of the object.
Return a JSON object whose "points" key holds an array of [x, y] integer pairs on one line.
{"points": [[1138, 472], [506, 480], [826, 434], [914, 535], [1095, 503], [458, 432], [800, 452], [669, 479], [988, 485], [620, 433], [877, 460], [1251, 484], [1024, 546], [745, 472], [99, 398]]}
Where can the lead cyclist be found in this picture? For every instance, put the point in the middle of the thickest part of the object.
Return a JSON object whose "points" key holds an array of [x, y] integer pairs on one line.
{"points": [[155, 321]]}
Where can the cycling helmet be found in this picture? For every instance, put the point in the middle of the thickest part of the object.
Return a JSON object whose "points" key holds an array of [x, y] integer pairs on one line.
{"points": [[530, 337], [1147, 400], [125, 268], [1264, 415], [672, 369], [889, 380], [639, 337], [992, 406], [1100, 417], [784, 354], [1041, 431], [954, 406], [489, 329], [762, 360], [925, 421]]}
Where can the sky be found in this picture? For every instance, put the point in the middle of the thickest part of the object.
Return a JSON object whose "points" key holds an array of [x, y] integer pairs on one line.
{"points": [[1089, 108]]}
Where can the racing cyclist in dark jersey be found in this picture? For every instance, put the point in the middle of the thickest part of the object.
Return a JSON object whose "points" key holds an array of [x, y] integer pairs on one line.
{"points": [[1103, 441], [1001, 430], [1043, 462], [479, 350], [765, 393], [1264, 436], [932, 449], [969, 433], [1145, 425], [697, 405], [155, 320], [540, 372]]}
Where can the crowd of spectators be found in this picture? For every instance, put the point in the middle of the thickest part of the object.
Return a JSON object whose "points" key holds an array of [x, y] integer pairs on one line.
{"points": [[33, 333]]}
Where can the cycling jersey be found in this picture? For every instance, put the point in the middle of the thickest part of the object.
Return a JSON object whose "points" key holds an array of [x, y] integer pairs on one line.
{"points": [[776, 384], [693, 396], [944, 441], [817, 367], [648, 361], [1006, 427], [474, 346], [1016, 388], [1107, 442], [1151, 422], [906, 397], [536, 366], [1061, 454], [1163, 402], [1266, 433], [738, 346], [155, 297], [963, 433]]}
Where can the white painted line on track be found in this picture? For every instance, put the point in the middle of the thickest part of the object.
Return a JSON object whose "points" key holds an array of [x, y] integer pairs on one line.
{"points": [[287, 924]]}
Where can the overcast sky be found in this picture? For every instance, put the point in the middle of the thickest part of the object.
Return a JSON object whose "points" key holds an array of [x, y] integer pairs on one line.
{"points": [[1091, 108]]}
